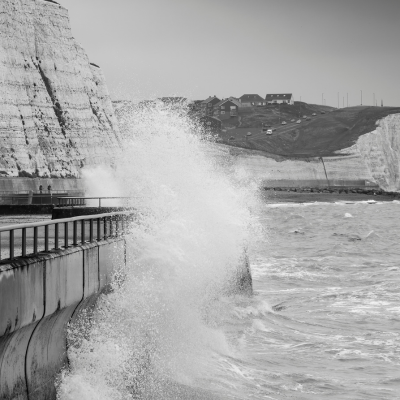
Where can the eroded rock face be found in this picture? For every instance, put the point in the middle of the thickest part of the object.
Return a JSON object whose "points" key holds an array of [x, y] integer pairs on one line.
{"points": [[380, 150], [55, 111]]}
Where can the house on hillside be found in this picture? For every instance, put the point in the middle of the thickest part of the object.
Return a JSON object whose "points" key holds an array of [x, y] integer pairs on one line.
{"points": [[280, 98], [210, 124], [226, 108], [251, 100], [207, 106]]}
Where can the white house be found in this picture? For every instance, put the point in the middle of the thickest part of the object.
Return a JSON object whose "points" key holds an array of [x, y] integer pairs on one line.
{"points": [[279, 98]]}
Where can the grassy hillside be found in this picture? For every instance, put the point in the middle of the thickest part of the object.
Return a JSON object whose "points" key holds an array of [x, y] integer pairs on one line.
{"points": [[321, 135]]}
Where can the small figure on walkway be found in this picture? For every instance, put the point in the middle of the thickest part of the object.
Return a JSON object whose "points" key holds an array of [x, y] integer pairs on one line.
{"points": [[41, 189], [49, 189]]}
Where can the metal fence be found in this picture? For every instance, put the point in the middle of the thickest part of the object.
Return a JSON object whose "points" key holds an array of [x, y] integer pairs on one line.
{"points": [[81, 201], [31, 239]]}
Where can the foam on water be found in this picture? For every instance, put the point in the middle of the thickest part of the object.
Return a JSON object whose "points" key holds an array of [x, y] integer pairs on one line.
{"points": [[158, 331]]}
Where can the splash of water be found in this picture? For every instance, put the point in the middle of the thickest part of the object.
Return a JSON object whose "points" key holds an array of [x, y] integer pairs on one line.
{"points": [[159, 328]]}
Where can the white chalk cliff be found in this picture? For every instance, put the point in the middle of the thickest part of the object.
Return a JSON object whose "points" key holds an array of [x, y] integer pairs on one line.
{"points": [[380, 151], [55, 111]]}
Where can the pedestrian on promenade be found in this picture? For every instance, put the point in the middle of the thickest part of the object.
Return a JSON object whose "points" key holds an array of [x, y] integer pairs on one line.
{"points": [[41, 189]]}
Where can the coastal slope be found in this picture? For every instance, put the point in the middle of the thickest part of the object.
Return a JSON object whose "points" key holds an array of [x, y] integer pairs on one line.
{"points": [[56, 115]]}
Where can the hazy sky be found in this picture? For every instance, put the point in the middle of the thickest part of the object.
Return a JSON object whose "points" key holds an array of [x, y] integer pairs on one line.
{"points": [[197, 48]]}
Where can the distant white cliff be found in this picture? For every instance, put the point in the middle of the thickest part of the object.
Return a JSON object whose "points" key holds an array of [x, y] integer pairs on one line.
{"points": [[380, 151], [55, 111]]}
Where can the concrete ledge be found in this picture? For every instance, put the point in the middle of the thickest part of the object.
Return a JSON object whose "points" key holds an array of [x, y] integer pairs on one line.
{"points": [[25, 209], [70, 212], [332, 189]]}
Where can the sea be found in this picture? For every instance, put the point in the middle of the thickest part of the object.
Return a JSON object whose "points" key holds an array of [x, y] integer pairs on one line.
{"points": [[323, 321]]}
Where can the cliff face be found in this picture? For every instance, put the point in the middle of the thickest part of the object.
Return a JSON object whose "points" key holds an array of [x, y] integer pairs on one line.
{"points": [[380, 150], [55, 111]]}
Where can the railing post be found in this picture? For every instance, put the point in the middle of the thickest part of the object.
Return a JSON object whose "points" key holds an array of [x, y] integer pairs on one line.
{"points": [[66, 234], [23, 242], [46, 238], [98, 229], [91, 230], [83, 239], [35, 240], [75, 233], [12, 244], [56, 236], [105, 227]]}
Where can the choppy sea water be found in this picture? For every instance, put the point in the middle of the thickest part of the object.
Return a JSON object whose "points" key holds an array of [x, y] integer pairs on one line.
{"points": [[324, 320]]}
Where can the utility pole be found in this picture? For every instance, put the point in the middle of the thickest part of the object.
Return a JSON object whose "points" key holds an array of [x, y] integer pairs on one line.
{"points": [[322, 99]]}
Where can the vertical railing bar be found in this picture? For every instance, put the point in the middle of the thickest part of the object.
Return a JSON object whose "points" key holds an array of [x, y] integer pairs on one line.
{"points": [[98, 229], [11, 244], [23, 242], [75, 233], [83, 239], [105, 228], [56, 236], [91, 230], [46, 238], [117, 233], [66, 234], [111, 227], [35, 240]]}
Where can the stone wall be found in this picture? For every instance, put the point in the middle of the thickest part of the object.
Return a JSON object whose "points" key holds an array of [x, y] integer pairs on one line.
{"points": [[55, 111]]}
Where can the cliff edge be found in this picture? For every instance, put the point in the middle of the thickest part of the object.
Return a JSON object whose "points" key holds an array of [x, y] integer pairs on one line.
{"points": [[380, 150], [56, 115]]}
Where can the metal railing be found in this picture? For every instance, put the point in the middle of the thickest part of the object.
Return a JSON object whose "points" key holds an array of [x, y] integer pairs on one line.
{"points": [[34, 238], [81, 201]]}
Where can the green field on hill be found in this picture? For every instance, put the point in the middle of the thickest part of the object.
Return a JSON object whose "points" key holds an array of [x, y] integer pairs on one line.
{"points": [[319, 135]]}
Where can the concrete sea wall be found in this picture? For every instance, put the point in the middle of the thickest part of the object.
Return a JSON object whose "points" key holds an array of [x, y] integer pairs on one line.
{"points": [[38, 298]]}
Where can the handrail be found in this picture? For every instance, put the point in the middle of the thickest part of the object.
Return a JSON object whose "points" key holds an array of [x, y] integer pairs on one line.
{"points": [[101, 226]]}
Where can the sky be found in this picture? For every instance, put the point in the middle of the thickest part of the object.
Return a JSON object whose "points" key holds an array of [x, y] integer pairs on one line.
{"points": [[319, 50]]}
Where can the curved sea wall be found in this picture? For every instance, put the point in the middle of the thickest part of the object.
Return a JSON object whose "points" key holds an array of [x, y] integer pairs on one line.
{"points": [[38, 298], [56, 115]]}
